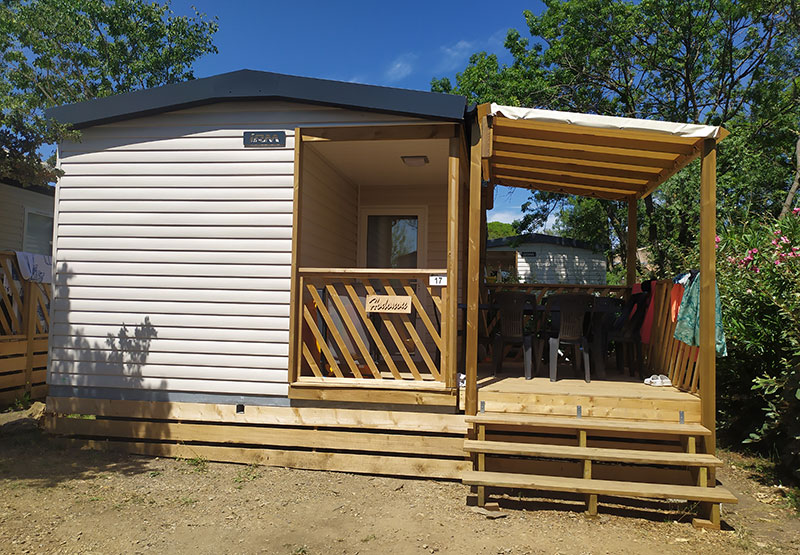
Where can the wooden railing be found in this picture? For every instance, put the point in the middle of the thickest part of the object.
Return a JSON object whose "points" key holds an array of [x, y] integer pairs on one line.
{"points": [[24, 325], [488, 322], [665, 354], [340, 341]]}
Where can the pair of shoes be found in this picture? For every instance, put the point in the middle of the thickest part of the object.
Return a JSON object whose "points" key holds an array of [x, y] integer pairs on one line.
{"points": [[658, 380]]}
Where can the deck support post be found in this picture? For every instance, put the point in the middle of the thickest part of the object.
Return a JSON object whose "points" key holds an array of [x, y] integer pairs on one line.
{"points": [[473, 271], [709, 512], [450, 318], [481, 465], [630, 278], [295, 287], [591, 499]]}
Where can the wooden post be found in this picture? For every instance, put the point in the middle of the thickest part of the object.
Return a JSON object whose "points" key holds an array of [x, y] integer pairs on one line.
{"points": [[295, 293], [450, 341], [473, 271], [29, 308], [708, 355], [481, 465], [632, 231]]}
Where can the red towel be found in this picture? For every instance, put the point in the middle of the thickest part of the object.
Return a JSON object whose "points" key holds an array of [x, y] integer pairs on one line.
{"points": [[675, 298], [647, 325]]}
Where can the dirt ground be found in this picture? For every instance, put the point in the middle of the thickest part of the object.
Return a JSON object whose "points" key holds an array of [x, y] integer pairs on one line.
{"points": [[56, 499]]}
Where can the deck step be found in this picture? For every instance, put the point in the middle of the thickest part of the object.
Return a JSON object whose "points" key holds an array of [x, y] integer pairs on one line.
{"points": [[590, 453], [717, 494], [589, 423]]}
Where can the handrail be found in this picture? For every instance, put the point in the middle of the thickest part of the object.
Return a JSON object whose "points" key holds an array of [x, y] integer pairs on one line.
{"points": [[371, 272]]}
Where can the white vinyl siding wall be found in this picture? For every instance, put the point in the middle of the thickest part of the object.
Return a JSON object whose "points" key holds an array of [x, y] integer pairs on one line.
{"points": [[170, 220]]}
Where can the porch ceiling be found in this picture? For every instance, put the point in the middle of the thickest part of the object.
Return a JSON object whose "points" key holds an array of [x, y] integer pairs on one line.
{"points": [[378, 163], [586, 158]]}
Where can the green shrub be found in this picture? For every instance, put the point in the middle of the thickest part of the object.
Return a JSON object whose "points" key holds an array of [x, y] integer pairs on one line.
{"points": [[759, 382]]}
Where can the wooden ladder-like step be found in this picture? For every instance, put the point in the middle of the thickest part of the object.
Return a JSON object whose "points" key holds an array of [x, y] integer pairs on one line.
{"points": [[717, 494], [571, 452], [589, 424]]}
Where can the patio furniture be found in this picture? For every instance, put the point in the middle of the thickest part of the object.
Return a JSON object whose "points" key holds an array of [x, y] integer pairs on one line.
{"points": [[626, 334], [572, 313], [605, 311], [511, 306]]}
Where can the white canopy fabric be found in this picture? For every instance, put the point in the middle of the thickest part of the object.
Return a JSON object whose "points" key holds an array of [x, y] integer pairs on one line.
{"points": [[687, 130]]}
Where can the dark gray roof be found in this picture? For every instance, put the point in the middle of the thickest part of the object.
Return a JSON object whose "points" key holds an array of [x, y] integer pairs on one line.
{"points": [[260, 85], [518, 240]]}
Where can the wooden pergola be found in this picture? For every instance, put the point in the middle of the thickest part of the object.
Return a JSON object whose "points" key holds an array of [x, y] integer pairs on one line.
{"points": [[601, 157]]}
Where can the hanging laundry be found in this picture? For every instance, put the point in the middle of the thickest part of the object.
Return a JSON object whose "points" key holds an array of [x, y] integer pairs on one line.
{"points": [[675, 298], [688, 327]]}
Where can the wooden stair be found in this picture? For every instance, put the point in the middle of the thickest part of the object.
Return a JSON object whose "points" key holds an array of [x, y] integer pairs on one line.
{"points": [[534, 447]]}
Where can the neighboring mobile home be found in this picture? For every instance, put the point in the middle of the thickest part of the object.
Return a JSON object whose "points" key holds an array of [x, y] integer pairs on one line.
{"points": [[541, 258], [26, 218], [265, 268]]}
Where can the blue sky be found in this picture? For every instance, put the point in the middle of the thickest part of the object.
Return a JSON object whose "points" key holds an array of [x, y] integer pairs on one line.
{"points": [[380, 43]]}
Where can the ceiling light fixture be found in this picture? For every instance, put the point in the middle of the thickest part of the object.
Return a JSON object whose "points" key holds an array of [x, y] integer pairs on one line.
{"points": [[415, 161]]}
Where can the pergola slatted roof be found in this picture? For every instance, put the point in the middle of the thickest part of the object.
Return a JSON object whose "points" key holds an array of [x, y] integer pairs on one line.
{"points": [[580, 154]]}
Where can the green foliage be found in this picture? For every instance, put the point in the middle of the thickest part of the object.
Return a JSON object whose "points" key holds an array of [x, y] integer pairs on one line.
{"points": [[498, 230], [57, 52], [721, 62], [759, 382]]}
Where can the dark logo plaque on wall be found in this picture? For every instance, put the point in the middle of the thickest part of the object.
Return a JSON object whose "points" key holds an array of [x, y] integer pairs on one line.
{"points": [[265, 139]]}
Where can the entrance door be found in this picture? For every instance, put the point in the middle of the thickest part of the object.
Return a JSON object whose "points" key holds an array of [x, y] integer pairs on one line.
{"points": [[394, 238]]}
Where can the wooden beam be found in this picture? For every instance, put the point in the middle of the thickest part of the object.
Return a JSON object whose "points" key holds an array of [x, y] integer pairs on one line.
{"points": [[473, 272], [573, 178], [510, 181], [632, 242], [359, 394], [680, 163], [640, 173], [381, 133], [574, 134], [486, 129], [295, 293], [584, 152]]}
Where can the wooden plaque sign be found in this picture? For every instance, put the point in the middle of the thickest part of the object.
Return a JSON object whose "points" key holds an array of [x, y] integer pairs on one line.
{"points": [[393, 304]]}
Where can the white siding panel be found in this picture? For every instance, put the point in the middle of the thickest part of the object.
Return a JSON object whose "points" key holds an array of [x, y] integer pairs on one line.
{"points": [[123, 270], [144, 218], [177, 244], [172, 332], [154, 294], [103, 370], [220, 169], [160, 345], [168, 307], [170, 220], [118, 319], [145, 233], [178, 206], [193, 182], [172, 282], [178, 194], [99, 255]]}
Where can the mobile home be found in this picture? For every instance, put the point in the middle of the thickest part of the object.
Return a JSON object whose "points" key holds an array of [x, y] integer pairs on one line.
{"points": [[265, 268]]}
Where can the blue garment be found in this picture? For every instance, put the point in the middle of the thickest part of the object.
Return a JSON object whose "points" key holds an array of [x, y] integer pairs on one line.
{"points": [[687, 328]]}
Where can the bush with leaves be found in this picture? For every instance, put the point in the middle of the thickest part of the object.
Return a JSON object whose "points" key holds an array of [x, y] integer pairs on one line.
{"points": [[759, 382]]}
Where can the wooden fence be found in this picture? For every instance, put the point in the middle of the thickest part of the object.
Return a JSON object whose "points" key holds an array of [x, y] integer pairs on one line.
{"points": [[24, 325], [665, 354], [340, 339]]}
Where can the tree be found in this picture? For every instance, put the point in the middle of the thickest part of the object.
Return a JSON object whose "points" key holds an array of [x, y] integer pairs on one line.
{"points": [[498, 230], [65, 51], [721, 62]]}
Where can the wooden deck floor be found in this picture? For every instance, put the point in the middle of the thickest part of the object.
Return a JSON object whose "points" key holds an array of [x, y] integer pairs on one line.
{"points": [[614, 397]]}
